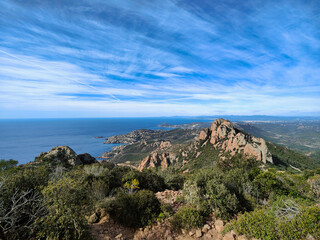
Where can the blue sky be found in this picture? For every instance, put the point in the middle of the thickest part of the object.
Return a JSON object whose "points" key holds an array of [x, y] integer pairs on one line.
{"points": [[134, 58]]}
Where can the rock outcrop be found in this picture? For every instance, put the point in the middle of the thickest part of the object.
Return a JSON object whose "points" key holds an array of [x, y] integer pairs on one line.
{"points": [[223, 135], [86, 158], [65, 155], [156, 159]]}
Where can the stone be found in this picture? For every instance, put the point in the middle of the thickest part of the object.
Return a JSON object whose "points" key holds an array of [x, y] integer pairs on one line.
{"points": [[207, 226], [215, 234], [241, 237], [168, 233], [204, 230], [119, 236], [219, 226], [229, 236], [198, 233], [191, 233], [94, 218], [310, 237]]}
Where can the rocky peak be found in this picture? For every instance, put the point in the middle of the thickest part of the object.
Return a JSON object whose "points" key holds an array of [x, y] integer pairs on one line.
{"points": [[156, 159], [222, 134], [64, 154]]}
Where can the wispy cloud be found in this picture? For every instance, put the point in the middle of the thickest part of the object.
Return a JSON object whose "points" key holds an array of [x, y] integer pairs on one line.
{"points": [[157, 58]]}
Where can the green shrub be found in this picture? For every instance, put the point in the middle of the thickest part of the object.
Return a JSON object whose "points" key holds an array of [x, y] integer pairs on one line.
{"points": [[187, 218], [222, 200], [173, 180], [66, 200], [307, 221], [147, 180], [7, 164], [20, 200], [268, 183], [135, 210], [259, 224], [315, 185], [295, 222], [166, 209]]}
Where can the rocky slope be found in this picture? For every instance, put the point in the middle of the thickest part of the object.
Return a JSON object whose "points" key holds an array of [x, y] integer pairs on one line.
{"points": [[156, 159], [223, 135], [65, 155], [142, 143], [145, 135]]}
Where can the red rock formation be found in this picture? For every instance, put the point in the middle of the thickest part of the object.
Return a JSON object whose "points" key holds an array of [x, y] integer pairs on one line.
{"points": [[222, 134], [156, 159]]}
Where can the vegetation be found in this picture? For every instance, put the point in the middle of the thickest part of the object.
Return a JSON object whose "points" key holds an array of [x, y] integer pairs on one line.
{"points": [[187, 218], [45, 201], [135, 210], [5, 165], [286, 219], [285, 158]]}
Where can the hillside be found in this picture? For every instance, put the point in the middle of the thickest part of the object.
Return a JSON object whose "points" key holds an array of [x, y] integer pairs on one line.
{"points": [[217, 183]]}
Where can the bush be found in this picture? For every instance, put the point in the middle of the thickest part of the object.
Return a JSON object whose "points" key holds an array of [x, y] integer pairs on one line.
{"points": [[66, 201], [307, 221], [147, 179], [187, 218], [315, 185], [259, 224], [223, 201], [172, 179], [174, 182], [7, 164], [20, 200], [268, 183], [297, 223], [135, 210], [222, 188]]}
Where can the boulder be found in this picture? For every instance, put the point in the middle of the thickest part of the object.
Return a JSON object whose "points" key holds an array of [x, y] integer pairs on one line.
{"points": [[241, 237], [219, 226], [229, 236], [198, 233], [94, 218]]}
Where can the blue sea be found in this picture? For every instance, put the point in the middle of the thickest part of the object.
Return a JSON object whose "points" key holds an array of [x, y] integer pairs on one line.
{"points": [[24, 139]]}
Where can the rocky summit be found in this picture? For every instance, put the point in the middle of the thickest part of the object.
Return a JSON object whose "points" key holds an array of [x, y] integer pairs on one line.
{"points": [[64, 154], [223, 135]]}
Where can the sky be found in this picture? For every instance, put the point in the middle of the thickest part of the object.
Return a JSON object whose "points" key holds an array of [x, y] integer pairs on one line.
{"points": [[148, 58]]}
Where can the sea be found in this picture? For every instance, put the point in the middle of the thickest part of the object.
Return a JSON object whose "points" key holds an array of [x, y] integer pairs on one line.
{"points": [[24, 139]]}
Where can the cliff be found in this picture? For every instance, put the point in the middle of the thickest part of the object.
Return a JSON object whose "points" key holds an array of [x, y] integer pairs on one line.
{"points": [[223, 135]]}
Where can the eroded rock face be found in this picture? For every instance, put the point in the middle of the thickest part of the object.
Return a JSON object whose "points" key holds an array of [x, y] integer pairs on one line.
{"points": [[224, 135], [64, 154], [156, 159]]}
